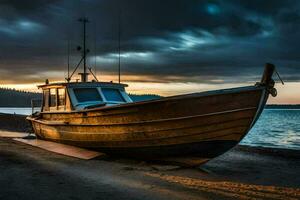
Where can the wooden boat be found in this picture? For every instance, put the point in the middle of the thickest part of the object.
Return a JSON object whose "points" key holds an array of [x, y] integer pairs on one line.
{"points": [[101, 116], [204, 124]]}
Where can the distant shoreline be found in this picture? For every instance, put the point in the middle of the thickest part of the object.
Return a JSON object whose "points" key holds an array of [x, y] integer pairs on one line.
{"points": [[282, 106], [11, 98]]}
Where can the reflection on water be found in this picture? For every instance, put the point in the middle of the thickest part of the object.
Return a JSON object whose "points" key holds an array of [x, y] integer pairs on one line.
{"points": [[275, 128]]}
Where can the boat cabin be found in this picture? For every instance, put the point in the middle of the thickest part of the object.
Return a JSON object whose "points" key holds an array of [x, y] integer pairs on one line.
{"points": [[82, 95]]}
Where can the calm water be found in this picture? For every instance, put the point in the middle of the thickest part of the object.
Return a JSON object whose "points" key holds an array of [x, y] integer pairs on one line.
{"points": [[20, 111], [275, 128]]}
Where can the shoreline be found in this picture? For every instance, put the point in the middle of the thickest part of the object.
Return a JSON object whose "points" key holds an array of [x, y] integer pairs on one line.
{"points": [[244, 172], [270, 151]]}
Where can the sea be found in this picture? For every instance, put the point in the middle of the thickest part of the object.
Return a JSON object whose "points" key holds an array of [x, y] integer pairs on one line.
{"points": [[276, 128]]}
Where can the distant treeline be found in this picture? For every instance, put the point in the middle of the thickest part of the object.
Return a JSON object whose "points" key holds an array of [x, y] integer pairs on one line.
{"points": [[285, 106], [17, 98]]}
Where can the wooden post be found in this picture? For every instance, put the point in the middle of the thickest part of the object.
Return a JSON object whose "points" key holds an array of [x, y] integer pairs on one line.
{"points": [[268, 73], [32, 106]]}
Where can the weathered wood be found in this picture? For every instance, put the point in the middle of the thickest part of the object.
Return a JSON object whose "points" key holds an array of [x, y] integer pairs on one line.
{"points": [[11, 134], [175, 122], [62, 149], [268, 73], [203, 124]]}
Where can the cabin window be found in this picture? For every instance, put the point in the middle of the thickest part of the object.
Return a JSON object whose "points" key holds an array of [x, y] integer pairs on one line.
{"points": [[87, 94], [52, 97], [112, 95], [61, 97], [46, 94]]}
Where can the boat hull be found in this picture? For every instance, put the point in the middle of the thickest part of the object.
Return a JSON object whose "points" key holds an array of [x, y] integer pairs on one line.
{"points": [[201, 124]]}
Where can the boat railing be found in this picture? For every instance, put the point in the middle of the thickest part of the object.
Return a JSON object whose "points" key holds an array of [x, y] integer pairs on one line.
{"points": [[36, 105]]}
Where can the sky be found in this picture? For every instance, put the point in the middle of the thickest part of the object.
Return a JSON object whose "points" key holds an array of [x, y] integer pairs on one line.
{"points": [[168, 47]]}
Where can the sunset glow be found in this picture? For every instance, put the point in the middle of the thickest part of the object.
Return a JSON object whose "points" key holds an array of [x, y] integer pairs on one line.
{"points": [[287, 94], [191, 46]]}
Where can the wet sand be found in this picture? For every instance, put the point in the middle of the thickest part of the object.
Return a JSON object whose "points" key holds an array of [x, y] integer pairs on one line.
{"points": [[28, 172]]}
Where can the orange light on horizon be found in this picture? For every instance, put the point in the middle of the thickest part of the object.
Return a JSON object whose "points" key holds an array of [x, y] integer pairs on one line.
{"points": [[287, 94]]}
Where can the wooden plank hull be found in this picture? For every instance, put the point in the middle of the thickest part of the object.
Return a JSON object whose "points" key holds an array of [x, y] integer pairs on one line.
{"points": [[201, 124]]}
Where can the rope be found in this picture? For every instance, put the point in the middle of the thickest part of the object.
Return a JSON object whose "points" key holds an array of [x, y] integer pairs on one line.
{"points": [[279, 76]]}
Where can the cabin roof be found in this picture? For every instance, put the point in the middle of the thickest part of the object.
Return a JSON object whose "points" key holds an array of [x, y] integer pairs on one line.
{"points": [[83, 84]]}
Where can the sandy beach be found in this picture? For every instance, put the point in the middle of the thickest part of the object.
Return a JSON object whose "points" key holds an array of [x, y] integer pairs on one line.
{"points": [[243, 173]]}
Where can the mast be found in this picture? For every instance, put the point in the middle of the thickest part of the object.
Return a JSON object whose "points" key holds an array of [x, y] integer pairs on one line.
{"points": [[84, 75], [119, 45], [95, 50]]}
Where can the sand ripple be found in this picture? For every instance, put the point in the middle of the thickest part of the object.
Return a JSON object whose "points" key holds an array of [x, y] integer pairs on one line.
{"points": [[233, 189]]}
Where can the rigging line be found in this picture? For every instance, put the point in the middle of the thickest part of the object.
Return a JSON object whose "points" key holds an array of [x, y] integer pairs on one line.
{"points": [[68, 79], [279, 76], [76, 68], [90, 69]]}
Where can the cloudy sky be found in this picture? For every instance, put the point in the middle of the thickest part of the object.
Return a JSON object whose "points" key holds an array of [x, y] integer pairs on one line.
{"points": [[168, 47]]}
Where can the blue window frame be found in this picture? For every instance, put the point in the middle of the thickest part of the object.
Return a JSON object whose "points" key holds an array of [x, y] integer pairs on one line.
{"points": [[112, 95], [87, 94]]}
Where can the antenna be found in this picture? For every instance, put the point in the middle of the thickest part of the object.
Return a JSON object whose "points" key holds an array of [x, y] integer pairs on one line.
{"points": [[95, 50], [68, 79], [68, 76], [119, 44], [84, 20], [84, 75]]}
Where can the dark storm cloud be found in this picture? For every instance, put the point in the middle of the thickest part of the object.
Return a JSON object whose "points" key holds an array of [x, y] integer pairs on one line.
{"points": [[27, 5], [168, 40]]}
